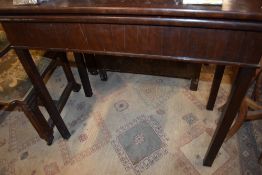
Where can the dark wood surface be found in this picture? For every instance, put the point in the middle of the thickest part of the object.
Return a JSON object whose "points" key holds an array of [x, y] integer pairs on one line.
{"points": [[30, 102], [231, 9], [230, 34], [30, 68], [80, 62], [36, 118], [219, 72], [238, 91], [177, 43]]}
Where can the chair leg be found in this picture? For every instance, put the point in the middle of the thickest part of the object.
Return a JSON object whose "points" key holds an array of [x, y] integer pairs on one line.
{"points": [[68, 72], [254, 115], [38, 121], [239, 120], [36, 79], [215, 86]]}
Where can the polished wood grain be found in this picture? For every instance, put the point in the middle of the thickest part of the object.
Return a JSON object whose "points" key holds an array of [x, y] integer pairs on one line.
{"points": [[30, 68], [30, 103], [236, 96], [219, 72], [80, 62], [177, 43], [231, 9], [36, 118]]}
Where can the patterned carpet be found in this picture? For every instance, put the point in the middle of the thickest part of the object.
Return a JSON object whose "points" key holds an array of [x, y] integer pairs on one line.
{"points": [[133, 124]]}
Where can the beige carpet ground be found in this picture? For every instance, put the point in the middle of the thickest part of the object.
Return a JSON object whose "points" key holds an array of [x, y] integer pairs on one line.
{"points": [[133, 124]]}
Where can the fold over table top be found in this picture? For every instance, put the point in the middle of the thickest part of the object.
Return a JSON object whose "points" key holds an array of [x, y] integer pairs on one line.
{"points": [[246, 10]]}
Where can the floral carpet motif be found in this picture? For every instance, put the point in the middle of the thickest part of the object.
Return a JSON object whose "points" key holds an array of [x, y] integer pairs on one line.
{"points": [[140, 143], [133, 124]]}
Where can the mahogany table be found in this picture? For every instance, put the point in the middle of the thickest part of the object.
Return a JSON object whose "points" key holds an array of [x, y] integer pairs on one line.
{"points": [[230, 34]]}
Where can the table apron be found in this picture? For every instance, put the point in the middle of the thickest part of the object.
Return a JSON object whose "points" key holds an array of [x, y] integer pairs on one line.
{"points": [[170, 42]]}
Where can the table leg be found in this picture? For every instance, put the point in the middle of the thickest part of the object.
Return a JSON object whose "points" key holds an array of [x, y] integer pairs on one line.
{"points": [[215, 86], [103, 75], [260, 159], [91, 64], [68, 73], [80, 63], [236, 96], [195, 79], [94, 67], [32, 72]]}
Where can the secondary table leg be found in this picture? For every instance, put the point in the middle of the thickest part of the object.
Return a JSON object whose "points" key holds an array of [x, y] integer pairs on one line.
{"points": [[32, 72], [215, 86], [195, 79], [236, 96], [80, 63], [94, 67], [91, 63]]}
